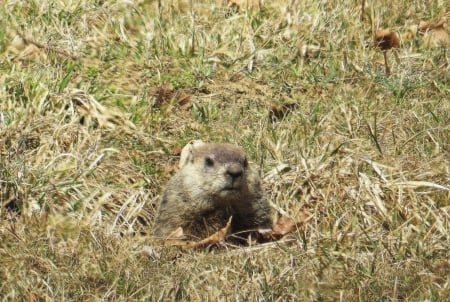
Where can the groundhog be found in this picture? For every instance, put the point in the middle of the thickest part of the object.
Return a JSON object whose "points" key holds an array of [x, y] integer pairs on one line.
{"points": [[215, 181]]}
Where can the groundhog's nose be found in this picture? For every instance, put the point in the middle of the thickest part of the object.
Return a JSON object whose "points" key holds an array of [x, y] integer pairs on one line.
{"points": [[235, 171]]}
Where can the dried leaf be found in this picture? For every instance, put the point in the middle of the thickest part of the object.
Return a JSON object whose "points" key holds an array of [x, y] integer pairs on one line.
{"points": [[286, 225], [283, 226], [436, 38], [165, 93], [177, 238], [278, 111], [177, 151], [183, 98], [176, 234], [434, 34], [215, 238], [428, 25], [386, 39], [162, 93], [170, 169]]}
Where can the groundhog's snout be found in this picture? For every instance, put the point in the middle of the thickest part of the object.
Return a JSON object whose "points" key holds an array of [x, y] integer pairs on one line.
{"points": [[234, 172]]}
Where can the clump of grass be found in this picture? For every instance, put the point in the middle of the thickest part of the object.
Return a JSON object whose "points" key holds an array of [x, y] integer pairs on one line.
{"points": [[87, 137]]}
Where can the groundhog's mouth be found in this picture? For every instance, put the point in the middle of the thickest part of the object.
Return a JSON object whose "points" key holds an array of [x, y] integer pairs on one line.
{"points": [[231, 189]]}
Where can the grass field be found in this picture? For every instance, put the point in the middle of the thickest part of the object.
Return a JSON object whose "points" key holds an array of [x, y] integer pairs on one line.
{"points": [[97, 97]]}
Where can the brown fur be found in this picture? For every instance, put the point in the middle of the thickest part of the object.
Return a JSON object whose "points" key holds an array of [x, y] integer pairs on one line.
{"points": [[214, 182]]}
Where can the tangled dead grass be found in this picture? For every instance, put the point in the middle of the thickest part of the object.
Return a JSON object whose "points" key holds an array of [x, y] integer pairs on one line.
{"points": [[97, 96]]}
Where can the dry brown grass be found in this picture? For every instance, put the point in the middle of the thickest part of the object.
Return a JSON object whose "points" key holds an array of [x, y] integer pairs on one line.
{"points": [[89, 122]]}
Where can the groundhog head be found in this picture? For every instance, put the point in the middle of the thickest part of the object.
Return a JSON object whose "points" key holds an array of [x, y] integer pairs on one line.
{"points": [[221, 169]]}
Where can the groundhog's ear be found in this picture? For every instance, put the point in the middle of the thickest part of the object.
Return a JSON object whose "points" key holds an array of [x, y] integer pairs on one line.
{"points": [[187, 153]]}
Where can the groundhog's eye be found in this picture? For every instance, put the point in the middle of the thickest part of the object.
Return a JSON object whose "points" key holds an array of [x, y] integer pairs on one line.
{"points": [[209, 162]]}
